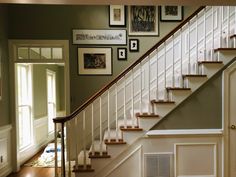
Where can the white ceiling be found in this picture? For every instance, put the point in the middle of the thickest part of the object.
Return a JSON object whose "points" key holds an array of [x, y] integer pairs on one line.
{"points": [[125, 2]]}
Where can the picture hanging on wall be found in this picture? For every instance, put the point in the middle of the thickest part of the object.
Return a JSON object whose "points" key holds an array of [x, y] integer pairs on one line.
{"points": [[117, 15], [95, 61], [133, 45], [171, 13], [0, 75], [121, 53], [99, 37], [143, 20]]}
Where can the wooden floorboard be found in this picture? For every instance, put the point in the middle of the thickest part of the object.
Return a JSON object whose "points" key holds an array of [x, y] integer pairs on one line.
{"points": [[34, 171]]}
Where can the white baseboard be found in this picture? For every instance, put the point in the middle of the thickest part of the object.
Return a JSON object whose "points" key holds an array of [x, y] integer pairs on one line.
{"points": [[5, 150]]}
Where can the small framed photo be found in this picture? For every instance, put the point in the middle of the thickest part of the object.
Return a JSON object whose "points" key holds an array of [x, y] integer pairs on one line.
{"points": [[122, 53], [95, 61], [171, 13], [143, 20], [133, 45], [117, 15]]}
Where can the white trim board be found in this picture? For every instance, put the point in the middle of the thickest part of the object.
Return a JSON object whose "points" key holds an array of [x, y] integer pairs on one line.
{"points": [[185, 132]]}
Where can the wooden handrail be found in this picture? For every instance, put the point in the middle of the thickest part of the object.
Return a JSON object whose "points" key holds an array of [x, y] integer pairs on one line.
{"points": [[101, 91]]}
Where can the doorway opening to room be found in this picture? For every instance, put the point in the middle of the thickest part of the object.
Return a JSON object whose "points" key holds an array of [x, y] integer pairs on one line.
{"points": [[41, 82]]}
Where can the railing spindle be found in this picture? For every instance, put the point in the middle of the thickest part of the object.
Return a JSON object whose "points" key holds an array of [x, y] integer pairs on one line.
{"points": [[181, 58], [100, 124], [196, 64], [204, 50], [221, 25], [68, 139], [132, 98], [92, 116], [84, 142], [149, 82], [235, 26], [213, 41], [125, 118], [173, 61], [141, 88], [157, 79], [56, 155], [108, 116], [189, 63], [165, 94], [63, 163], [228, 37], [116, 112]]}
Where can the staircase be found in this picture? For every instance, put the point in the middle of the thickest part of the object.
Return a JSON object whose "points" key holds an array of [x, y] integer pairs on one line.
{"points": [[124, 110]]}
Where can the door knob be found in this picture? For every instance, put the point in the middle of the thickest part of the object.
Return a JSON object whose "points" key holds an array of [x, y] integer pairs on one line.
{"points": [[233, 127]]}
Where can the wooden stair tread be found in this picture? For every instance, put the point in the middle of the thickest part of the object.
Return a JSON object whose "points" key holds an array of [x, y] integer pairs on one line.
{"points": [[194, 75], [146, 115], [210, 62], [225, 49], [162, 102], [177, 88], [130, 128], [114, 142], [98, 155], [232, 36]]}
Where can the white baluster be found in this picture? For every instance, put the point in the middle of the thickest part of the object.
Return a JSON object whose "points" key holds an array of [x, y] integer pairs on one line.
{"points": [[141, 88], [189, 64], [181, 58], [84, 140], [132, 98], [63, 163], [68, 139], [165, 94], [100, 122], [235, 26], [157, 79], [92, 129], [125, 118], [56, 155], [149, 82], [196, 64], [173, 61], [204, 50], [228, 38], [221, 26], [76, 130], [116, 113], [213, 40], [108, 116]]}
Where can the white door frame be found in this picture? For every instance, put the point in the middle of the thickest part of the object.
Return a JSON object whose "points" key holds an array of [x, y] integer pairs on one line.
{"points": [[225, 123], [13, 60]]}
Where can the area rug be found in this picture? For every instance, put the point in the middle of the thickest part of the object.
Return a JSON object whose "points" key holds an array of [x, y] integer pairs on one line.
{"points": [[47, 158]]}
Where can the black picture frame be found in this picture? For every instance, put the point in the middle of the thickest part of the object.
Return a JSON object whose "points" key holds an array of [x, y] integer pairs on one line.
{"points": [[122, 53], [171, 13], [133, 45], [117, 15]]}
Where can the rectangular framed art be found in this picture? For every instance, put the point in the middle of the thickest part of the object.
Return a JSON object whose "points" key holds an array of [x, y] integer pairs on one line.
{"points": [[103, 37], [143, 20], [171, 13], [95, 61], [122, 53], [117, 15]]}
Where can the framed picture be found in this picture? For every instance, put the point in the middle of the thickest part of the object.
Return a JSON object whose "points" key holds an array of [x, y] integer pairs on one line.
{"points": [[171, 13], [121, 53], [95, 61], [143, 20], [105, 37], [133, 45], [117, 15]]}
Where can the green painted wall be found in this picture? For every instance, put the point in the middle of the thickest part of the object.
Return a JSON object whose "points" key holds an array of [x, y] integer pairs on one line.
{"points": [[40, 89], [203, 110], [57, 22], [4, 103]]}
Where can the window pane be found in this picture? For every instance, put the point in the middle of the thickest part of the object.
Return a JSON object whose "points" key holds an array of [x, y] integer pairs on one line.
{"points": [[46, 53], [57, 53], [34, 53], [23, 53]]}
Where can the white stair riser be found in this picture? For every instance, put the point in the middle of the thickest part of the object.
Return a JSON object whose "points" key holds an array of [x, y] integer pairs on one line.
{"points": [[226, 56], [147, 123], [179, 95], [195, 82], [115, 150], [210, 69], [163, 109], [130, 136]]}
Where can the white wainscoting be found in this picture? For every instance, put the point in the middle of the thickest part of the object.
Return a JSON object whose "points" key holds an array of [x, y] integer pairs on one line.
{"points": [[5, 150]]}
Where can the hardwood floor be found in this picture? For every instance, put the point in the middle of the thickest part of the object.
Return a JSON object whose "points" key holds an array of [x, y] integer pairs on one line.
{"points": [[34, 171]]}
